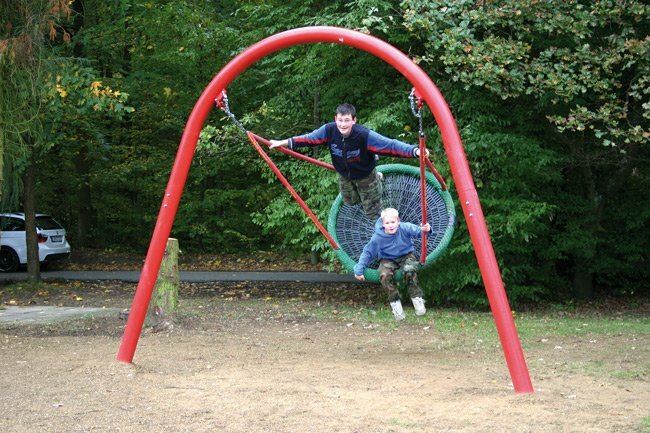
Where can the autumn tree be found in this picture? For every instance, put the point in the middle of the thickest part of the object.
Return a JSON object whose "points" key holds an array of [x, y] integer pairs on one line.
{"points": [[48, 100], [579, 71], [28, 26]]}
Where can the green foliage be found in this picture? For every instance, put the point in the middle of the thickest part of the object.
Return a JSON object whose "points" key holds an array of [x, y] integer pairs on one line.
{"points": [[579, 71], [551, 100], [224, 190], [76, 105], [160, 52], [79, 111]]}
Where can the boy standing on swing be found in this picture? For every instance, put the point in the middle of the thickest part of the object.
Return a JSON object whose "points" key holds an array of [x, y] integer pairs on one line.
{"points": [[392, 244], [354, 149]]}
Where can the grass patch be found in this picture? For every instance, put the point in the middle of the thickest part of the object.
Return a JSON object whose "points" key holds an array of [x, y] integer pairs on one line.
{"points": [[645, 425], [538, 324], [26, 289], [460, 324], [37, 292], [403, 423]]}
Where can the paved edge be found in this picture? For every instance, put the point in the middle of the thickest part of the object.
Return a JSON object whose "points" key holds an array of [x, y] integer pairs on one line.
{"points": [[190, 276], [12, 315]]}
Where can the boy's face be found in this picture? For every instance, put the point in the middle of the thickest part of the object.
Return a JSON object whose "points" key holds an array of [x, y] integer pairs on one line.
{"points": [[344, 123], [390, 223]]}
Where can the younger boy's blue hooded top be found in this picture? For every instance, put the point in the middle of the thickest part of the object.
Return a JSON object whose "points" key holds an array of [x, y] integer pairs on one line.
{"points": [[385, 246]]}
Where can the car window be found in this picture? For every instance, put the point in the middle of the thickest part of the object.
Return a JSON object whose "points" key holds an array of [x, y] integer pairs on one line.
{"points": [[11, 224], [46, 222]]}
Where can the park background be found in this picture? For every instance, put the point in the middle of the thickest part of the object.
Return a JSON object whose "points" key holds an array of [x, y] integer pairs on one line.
{"points": [[551, 100]]}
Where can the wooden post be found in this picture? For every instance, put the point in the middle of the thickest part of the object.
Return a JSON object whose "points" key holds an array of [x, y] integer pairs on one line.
{"points": [[164, 299]]}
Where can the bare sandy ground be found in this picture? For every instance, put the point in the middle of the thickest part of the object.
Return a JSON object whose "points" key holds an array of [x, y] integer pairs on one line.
{"points": [[274, 365]]}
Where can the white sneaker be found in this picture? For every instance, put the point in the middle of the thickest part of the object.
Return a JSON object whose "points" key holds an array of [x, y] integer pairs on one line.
{"points": [[418, 304], [398, 311]]}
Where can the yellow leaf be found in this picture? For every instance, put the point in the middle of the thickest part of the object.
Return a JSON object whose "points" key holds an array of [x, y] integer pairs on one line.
{"points": [[62, 92]]}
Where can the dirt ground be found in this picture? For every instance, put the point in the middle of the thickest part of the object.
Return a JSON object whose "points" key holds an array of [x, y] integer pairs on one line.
{"points": [[297, 357]]}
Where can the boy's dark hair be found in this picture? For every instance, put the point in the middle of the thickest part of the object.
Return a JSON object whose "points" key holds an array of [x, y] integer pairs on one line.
{"points": [[346, 109]]}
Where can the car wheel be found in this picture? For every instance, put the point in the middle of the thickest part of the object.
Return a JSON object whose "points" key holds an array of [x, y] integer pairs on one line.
{"points": [[8, 260]]}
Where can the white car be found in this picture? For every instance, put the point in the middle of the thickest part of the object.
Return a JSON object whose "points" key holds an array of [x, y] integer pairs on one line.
{"points": [[52, 242]]}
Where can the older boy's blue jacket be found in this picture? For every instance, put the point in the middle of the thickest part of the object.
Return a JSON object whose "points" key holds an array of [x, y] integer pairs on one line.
{"points": [[353, 157], [385, 246]]}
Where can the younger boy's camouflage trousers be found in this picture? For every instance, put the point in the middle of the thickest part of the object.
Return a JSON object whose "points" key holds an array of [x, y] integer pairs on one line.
{"points": [[366, 191], [409, 265]]}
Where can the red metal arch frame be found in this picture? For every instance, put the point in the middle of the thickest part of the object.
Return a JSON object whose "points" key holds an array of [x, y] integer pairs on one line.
{"points": [[453, 146]]}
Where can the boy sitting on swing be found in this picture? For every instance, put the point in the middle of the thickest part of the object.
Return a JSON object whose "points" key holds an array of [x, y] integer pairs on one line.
{"points": [[392, 244]]}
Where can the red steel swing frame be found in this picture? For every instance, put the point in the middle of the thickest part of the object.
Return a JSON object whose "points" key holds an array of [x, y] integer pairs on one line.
{"points": [[453, 146]]}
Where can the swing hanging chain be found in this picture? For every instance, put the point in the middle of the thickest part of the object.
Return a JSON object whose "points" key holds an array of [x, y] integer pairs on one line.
{"points": [[223, 104], [417, 113]]}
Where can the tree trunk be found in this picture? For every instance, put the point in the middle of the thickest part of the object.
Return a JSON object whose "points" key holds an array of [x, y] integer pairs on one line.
{"points": [[583, 287], [2, 165], [84, 207], [314, 257], [315, 116], [29, 207], [164, 298], [582, 277]]}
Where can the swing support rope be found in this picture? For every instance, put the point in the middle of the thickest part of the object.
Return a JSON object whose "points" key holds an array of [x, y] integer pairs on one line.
{"points": [[293, 192], [296, 155], [222, 102]]}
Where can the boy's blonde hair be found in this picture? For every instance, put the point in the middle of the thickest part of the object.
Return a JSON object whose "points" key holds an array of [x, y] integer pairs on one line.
{"points": [[389, 211]]}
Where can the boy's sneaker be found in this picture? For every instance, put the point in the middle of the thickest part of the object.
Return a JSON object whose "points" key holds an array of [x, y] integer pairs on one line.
{"points": [[398, 311], [418, 304]]}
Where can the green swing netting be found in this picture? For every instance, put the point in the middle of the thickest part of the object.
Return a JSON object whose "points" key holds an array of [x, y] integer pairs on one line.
{"points": [[352, 229]]}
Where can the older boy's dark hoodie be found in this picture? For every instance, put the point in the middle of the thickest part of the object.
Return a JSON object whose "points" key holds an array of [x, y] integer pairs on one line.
{"points": [[353, 156], [385, 246]]}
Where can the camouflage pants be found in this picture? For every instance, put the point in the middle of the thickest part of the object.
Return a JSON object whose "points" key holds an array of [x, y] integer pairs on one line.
{"points": [[366, 191], [409, 266]]}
